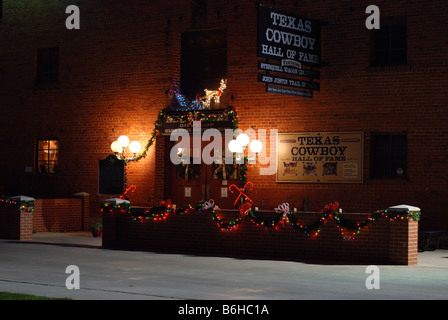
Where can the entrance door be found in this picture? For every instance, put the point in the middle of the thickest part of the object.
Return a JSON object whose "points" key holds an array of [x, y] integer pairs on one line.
{"points": [[192, 183]]}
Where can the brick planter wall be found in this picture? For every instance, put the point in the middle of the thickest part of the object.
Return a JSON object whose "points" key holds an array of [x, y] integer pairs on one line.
{"points": [[68, 214], [383, 242], [48, 215]]}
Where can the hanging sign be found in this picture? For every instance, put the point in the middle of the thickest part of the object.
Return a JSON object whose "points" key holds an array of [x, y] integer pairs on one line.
{"points": [[316, 157], [293, 83], [294, 43]]}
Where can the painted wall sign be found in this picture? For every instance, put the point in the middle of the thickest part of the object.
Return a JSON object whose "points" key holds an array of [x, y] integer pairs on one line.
{"points": [[316, 157]]}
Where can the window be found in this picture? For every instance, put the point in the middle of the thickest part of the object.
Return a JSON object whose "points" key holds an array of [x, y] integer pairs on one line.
{"points": [[390, 43], [389, 155], [203, 61], [47, 66], [47, 156], [1, 9]]}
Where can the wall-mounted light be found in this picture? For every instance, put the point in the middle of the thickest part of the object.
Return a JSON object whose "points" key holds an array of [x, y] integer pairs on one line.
{"points": [[243, 139], [123, 142], [238, 146], [235, 147]]}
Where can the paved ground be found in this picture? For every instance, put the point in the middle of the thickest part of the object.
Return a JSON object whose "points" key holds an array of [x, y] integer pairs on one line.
{"points": [[39, 267]]}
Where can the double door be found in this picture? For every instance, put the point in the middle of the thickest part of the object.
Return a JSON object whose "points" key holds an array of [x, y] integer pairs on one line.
{"points": [[190, 183]]}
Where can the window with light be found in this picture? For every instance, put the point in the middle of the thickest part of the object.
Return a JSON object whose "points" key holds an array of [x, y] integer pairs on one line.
{"points": [[47, 156]]}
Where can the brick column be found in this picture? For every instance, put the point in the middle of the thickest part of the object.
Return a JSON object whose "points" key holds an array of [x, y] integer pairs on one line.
{"points": [[26, 225], [17, 218], [403, 234], [403, 239]]}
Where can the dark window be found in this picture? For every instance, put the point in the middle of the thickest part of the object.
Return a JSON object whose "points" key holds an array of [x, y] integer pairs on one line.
{"points": [[47, 156], [390, 43], [389, 155], [47, 66], [203, 61], [1, 9]]}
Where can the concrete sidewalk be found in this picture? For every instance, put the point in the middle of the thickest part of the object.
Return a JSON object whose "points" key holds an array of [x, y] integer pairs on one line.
{"points": [[38, 267]]}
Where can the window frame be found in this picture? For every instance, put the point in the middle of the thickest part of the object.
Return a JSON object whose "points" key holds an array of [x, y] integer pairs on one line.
{"points": [[47, 163], [392, 159], [391, 24], [191, 70], [50, 58]]}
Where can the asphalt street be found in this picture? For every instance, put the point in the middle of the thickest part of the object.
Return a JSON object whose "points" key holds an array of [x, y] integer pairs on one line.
{"points": [[40, 267]]}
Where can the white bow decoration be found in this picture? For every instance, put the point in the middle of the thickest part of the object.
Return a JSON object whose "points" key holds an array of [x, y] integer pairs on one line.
{"points": [[283, 208], [209, 204]]}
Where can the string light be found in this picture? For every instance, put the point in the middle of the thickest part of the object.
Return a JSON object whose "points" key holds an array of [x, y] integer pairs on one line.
{"points": [[27, 206], [348, 229]]}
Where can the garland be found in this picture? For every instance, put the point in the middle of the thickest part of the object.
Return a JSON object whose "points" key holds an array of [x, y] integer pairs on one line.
{"points": [[25, 205], [121, 208], [188, 118], [283, 214]]}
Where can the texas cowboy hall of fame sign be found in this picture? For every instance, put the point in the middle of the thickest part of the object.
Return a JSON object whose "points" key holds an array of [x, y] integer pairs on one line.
{"points": [[291, 50], [320, 157]]}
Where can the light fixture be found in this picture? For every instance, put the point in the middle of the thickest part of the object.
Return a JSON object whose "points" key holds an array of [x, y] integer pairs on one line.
{"points": [[124, 141], [235, 147], [243, 139], [116, 147], [256, 146], [135, 147]]}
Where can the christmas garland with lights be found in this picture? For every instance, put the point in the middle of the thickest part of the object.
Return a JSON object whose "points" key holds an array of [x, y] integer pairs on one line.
{"points": [[24, 205], [283, 214]]}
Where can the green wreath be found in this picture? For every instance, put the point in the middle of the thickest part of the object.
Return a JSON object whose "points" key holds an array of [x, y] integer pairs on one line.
{"points": [[218, 171], [188, 171]]}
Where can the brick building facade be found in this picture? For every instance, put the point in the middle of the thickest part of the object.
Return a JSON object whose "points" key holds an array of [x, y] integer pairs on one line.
{"points": [[73, 92]]}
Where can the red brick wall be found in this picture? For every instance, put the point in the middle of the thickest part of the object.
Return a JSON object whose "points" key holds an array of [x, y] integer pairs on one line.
{"points": [[52, 215], [383, 242], [49, 215], [116, 70]]}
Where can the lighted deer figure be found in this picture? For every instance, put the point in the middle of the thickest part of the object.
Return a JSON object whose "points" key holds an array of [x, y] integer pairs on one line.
{"points": [[215, 94]]}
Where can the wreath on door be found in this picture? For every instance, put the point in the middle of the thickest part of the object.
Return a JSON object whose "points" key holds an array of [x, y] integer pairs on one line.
{"points": [[224, 171], [188, 171]]}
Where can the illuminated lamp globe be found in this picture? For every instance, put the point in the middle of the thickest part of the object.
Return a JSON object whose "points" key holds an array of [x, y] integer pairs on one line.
{"points": [[255, 146], [235, 147], [243, 139], [116, 147], [135, 147], [124, 141]]}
